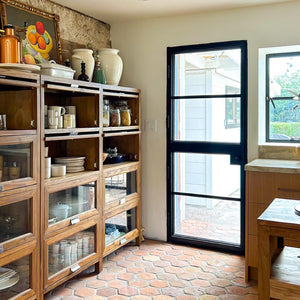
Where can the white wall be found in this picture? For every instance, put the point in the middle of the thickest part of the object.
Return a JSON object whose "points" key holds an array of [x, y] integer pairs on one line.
{"points": [[143, 46]]}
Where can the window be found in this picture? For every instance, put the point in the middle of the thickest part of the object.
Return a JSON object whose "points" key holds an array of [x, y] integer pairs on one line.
{"points": [[282, 100]]}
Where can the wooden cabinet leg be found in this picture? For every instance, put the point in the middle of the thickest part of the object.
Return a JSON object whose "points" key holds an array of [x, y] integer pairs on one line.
{"points": [[264, 263]]}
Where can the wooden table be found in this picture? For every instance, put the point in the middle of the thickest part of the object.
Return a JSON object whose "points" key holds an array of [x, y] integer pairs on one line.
{"points": [[278, 266]]}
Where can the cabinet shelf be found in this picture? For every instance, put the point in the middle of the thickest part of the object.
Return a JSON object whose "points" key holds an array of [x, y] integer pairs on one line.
{"points": [[120, 128], [72, 136], [286, 269]]}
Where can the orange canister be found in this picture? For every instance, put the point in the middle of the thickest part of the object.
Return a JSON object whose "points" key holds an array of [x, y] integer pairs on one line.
{"points": [[9, 45]]}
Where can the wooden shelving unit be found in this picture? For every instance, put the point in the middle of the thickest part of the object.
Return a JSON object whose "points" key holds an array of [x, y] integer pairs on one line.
{"points": [[20, 185], [121, 183], [54, 228]]}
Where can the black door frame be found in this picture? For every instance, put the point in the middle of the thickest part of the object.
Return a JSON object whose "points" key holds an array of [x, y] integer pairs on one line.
{"points": [[234, 149]]}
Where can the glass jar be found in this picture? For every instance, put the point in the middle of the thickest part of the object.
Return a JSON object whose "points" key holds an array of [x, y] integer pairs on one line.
{"points": [[106, 113], [115, 118], [125, 117]]}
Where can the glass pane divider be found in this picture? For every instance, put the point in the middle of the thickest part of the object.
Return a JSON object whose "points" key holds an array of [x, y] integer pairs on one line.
{"points": [[190, 97], [206, 196]]}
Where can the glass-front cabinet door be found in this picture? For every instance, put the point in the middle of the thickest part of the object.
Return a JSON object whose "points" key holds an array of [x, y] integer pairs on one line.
{"points": [[18, 274], [120, 188], [72, 253], [17, 166], [120, 229], [69, 204], [18, 219]]}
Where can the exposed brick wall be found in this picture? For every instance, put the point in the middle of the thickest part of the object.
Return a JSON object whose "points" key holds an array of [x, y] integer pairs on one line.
{"points": [[76, 29]]}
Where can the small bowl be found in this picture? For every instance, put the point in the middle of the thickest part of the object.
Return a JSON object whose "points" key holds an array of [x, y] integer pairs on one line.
{"points": [[114, 159]]}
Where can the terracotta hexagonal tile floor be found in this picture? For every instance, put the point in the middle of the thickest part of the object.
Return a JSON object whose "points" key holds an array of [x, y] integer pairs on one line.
{"points": [[158, 270]]}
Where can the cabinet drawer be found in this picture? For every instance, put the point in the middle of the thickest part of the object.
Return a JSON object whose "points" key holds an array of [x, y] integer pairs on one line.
{"points": [[254, 211], [261, 187], [288, 186], [18, 168], [69, 203], [23, 266], [69, 253]]}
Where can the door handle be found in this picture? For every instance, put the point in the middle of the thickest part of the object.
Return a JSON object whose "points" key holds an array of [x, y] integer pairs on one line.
{"points": [[236, 159]]}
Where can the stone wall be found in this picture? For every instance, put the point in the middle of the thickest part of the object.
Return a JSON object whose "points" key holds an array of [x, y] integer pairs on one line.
{"points": [[76, 30]]}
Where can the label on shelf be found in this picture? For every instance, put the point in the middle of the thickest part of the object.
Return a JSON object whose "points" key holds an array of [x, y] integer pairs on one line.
{"points": [[123, 241], [122, 201], [74, 86], [75, 220], [1, 249], [75, 268]]}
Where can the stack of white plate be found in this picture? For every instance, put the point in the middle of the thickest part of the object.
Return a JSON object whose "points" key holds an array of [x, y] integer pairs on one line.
{"points": [[8, 278], [73, 163]]}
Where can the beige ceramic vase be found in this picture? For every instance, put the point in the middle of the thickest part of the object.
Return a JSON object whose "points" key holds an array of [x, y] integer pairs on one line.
{"points": [[112, 65], [86, 56]]}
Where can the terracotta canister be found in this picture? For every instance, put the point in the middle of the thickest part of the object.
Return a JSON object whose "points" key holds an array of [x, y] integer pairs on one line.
{"points": [[112, 65], [86, 56]]}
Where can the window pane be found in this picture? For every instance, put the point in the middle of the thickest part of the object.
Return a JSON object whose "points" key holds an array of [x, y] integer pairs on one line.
{"points": [[211, 219], [211, 120], [207, 73], [209, 174], [284, 75], [284, 121]]}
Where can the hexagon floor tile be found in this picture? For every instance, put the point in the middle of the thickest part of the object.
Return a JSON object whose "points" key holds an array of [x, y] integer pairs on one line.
{"points": [[162, 271]]}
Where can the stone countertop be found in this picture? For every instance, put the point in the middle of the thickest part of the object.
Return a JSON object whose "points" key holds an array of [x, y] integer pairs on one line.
{"points": [[274, 165]]}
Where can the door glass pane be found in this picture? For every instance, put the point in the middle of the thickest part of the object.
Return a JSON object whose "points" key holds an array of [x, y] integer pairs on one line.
{"points": [[207, 73], [70, 250], [16, 278], [210, 219], [15, 161], [119, 186], [15, 220], [206, 174], [70, 202], [211, 120], [119, 225]]}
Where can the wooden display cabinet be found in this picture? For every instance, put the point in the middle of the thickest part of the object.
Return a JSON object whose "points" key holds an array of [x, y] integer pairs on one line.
{"points": [[56, 226], [71, 206], [19, 185], [121, 181]]}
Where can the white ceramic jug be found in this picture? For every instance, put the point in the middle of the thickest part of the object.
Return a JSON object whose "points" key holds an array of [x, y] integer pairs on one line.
{"points": [[86, 56], [112, 65]]}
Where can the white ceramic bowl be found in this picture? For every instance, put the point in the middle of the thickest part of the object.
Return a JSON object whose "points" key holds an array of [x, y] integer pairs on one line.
{"points": [[58, 170]]}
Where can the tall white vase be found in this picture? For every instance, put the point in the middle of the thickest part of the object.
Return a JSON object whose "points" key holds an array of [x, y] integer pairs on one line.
{"points": [[86, 56], [112, 65]]}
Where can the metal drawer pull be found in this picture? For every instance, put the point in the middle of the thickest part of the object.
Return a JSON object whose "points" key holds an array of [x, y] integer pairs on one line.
{"points": [[288, 190], [1, 187], [75, 220], [75, 268], [1, 248], [122, 201], [123, 241]]}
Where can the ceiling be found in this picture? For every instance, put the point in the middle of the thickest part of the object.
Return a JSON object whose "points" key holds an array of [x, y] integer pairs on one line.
{"points": [[112, 11]]}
